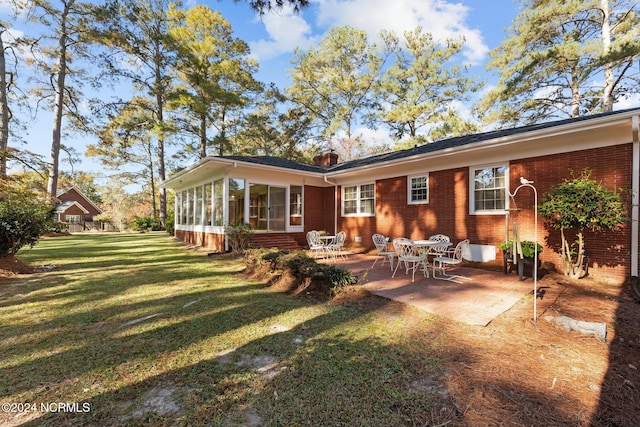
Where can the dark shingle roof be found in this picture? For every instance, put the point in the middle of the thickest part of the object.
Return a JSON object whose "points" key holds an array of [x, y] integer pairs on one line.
{"points": [[462, 141], [418, 150]]}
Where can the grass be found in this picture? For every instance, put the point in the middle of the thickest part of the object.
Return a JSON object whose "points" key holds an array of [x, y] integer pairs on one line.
{"points": [[132, 329]]}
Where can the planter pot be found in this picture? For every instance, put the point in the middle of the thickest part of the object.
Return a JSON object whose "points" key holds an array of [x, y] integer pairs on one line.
{"points": [[520, 263]]}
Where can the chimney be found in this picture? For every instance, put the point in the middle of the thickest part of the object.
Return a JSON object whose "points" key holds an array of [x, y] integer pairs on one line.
{"points": [[328, 158]]}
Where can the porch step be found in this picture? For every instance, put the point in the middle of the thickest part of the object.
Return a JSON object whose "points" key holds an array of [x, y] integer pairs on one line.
{"points": [[274, 240]]}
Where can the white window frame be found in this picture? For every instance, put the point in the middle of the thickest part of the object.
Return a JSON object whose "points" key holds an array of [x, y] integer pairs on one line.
{"points": [[359, 199], [296, 205], [472, 189], [410, 189], [73, 219]]}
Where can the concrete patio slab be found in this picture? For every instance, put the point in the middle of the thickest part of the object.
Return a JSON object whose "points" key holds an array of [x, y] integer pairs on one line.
{"points": [[475, 301]]}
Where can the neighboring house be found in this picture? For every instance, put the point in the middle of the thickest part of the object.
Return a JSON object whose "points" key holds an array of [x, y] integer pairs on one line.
{"points": [[459, 187], [76, 210]]}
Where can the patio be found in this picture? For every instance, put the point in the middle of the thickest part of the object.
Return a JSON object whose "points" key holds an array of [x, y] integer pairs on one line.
{"points": [[476, 301]]}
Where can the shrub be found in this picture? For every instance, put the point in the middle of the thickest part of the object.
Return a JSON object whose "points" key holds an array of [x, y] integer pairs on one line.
{"points": [[325, 279], [321, 278], [169, 223], [23, 219], [337, 277], [528, 247], [581, 204], [146, 223], [239, 236]]}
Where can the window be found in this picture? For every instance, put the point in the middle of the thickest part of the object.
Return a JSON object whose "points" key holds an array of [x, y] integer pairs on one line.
{"points": [[185, 208], [418, 189], [236, 200], [218, 202], [295, 205], [488, 189], [359, 200], [190, 204], [73, 219], [208, 204], [178, 208], [198, 205]]}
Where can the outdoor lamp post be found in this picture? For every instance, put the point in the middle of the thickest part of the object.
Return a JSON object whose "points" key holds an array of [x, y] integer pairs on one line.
{"points": [[526, 183]]}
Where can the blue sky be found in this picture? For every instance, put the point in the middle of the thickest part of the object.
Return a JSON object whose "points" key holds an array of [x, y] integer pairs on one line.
{"points": [[274, 36]]}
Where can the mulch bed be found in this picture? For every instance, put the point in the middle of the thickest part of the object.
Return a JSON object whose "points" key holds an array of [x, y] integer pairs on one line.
{"points": [[11, 266]]}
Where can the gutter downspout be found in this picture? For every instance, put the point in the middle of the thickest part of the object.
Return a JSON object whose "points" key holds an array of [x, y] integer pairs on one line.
{"points": [[335, 203], [635, 187]]}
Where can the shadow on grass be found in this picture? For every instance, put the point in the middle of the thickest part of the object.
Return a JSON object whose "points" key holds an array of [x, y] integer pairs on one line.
{"points": [[306, 374], [63, 341]]}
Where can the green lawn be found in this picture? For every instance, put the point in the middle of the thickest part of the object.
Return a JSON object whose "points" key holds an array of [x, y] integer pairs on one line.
{"points": [[131, 329]]}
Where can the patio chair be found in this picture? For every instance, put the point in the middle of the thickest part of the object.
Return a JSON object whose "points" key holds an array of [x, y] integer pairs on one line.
{"points": [[405, 249], [336, 247], [448, 259], [380, 242], [315, 245], [439, 250]]}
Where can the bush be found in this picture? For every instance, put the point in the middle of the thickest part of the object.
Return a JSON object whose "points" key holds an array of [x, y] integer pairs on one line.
{"points": [[23, 219], [325, 279], [337, 277], [581, 204], [239, 236], [169, 223], [146, 223], [528, 247]]}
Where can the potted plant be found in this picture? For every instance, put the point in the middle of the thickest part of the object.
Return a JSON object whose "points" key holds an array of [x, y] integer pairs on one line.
{"points": [[528, 249]]}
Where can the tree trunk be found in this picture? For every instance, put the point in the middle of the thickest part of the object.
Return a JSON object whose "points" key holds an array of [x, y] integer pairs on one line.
{"points": [[575, 95], [58, 108], [607, 96], [4, 114], [573, 268], [152, 185], [203, 136], [162, 192]]}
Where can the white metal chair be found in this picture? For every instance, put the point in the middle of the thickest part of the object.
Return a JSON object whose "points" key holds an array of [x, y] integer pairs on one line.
{"points": [[315, 245], [405, 249], [439, 250], [336, 247], [448, 259], [380, 242]]}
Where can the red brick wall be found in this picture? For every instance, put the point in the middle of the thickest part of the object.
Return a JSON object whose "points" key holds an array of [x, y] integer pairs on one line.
{"points": [[610, 250], [448, 209], [319, 208], [215, 242]]}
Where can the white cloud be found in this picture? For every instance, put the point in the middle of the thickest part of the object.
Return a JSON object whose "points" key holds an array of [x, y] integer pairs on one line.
{"points": [[631, 101], [286, 30], [441, 18]]}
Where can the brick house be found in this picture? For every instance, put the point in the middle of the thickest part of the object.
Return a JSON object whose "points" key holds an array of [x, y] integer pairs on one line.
{"points": [[460, 187], [76, 210]]}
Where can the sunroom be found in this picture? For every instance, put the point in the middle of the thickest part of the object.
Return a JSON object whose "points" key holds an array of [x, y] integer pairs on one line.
{"points": [[226, 190]]}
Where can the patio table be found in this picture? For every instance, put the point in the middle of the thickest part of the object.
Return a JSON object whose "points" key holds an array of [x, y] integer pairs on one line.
{"points": [[326, 240], [423, 246]]}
